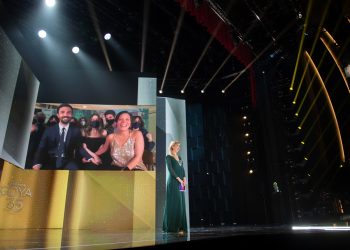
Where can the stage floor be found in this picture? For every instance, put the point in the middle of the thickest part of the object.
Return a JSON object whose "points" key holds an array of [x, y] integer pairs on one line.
{"points": [[274, 237]]}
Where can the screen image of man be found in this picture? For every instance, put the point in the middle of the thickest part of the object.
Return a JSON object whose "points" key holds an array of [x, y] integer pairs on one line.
{"points": [[61, 145]]}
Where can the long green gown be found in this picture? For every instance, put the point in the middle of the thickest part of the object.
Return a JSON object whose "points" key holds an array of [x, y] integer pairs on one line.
{"points": [[174, 218]]}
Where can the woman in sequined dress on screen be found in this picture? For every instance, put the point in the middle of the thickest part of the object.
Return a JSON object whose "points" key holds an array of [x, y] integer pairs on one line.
{"points": [[126, 146]]}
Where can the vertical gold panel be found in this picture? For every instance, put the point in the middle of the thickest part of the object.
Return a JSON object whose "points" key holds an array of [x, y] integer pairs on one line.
{"points": [[98, 200], [32, 199], [144, 208], [144, 200], [111, 200]]}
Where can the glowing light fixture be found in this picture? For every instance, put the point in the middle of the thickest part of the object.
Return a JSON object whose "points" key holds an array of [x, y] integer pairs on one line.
{"points": [[42, 34], [107, 36], [50, 3], [75, 49], [347, 70]]}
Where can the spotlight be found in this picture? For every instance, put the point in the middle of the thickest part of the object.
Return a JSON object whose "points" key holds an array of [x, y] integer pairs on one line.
{"points": [[42, 34], [50, 3], [75, 49], [347, 71], [223, 91], [182, 91], [245, 117], [251, 171], [202, 91], [275, 187], [107, 36], [257, 17], [246, 134], [160, 91], [248, 152], [275, 53]]}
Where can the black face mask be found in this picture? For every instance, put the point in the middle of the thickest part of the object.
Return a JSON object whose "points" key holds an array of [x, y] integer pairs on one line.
{"points": [[110, 122], [41, 120], [52, 123], [95, 124], [136, 125]]}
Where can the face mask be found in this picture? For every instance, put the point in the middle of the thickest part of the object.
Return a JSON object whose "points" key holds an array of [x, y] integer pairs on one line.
{"points": [[41, 120], [52, 123], [95, 124], [136, 125], [110, 121], [82, 123]]}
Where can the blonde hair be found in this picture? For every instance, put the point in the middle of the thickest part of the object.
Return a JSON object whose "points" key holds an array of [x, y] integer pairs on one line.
{"points": [[171, 145]]}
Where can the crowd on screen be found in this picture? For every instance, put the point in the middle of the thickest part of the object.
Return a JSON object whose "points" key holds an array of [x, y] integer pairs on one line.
{"points": [[102, 141]]}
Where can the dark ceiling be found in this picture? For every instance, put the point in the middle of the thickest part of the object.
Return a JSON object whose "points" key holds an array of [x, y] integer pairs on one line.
{"points": [[143, 34]]}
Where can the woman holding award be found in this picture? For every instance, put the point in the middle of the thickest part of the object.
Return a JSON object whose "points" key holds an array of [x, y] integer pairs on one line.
{"points": [[174, 219]]}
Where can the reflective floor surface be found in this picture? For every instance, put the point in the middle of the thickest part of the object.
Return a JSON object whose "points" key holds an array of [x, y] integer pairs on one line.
{"points": [[238, 237]]}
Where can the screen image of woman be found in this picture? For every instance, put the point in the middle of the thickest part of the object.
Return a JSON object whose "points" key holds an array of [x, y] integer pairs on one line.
{"points": [[126, 146], [174, 219]]}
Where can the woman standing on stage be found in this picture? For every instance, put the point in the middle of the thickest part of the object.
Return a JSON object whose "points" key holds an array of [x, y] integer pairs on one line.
{"points": [[174, 219]]}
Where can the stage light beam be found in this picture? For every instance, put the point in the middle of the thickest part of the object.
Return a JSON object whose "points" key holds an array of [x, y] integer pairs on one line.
{"points": [[176, 35], [301, 44], [330, 105], [336, 63]]}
